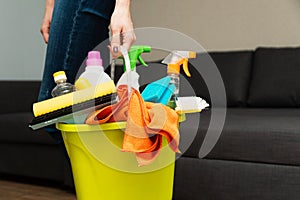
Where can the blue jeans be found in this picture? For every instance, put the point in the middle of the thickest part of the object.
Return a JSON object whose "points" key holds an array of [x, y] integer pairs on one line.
{"points": [[75, 29]]}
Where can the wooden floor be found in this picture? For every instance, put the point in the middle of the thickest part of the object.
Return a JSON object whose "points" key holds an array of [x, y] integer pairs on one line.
{"points": [[11, 190]]}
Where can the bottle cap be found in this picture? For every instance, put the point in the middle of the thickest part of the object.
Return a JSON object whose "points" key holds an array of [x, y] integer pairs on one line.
{"points": [[60, 75], [192, 54], [94, 59]]}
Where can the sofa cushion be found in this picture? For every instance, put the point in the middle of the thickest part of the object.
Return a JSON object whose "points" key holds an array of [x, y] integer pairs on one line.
{"points": [[256, 135], [18, 96], [14, 129], [197, 179], [275, 78], [33, 161], [234, 67]]}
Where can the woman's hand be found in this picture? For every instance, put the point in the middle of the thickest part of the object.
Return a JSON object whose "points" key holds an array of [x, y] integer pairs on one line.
{"points": [[45, 27], [121, 28]]}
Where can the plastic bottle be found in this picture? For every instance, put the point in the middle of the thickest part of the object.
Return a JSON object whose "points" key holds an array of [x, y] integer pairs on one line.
{"points": [[94, 72], [173, 73], [175, 80], [135, 53], [175, 60], [130, 76], [62, 87]]}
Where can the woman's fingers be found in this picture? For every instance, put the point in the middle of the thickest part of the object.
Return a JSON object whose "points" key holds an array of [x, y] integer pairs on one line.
{"points": [[45, 27], [115, 43], [121, 28], [128, 39], [125, 39]]}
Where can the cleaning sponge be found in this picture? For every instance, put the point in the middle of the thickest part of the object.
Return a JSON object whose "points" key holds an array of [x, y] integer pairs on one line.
{"points": [[159, 91]]}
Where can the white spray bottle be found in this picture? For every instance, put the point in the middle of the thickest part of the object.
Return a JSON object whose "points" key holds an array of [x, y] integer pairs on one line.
{"points": [[130, 76]]}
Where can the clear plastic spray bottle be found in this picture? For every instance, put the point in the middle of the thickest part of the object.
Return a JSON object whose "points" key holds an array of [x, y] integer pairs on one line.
{"points": [[175, 60]]}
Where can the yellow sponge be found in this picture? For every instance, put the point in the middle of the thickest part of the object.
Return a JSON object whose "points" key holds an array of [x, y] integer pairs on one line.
{"points": [[56, 103]]}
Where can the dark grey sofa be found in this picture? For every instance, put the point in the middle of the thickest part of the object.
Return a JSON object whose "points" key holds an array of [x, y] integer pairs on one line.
{"points": [[256, 157], [24, 152], [258, 153]]}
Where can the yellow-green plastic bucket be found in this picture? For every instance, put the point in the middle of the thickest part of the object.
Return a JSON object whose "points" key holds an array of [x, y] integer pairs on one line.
{"points": [[102, 171]]}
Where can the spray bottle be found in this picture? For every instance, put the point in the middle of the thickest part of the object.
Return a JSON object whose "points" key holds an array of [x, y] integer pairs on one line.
{"points": [[135, 54], [175, 60], [130, 76]]}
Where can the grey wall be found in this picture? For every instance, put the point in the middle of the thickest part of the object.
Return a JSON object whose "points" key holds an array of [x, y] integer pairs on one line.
{"points": [[215, 24], [21, 45], [225, 25]]}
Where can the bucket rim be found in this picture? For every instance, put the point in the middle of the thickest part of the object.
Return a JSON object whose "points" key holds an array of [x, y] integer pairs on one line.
{"points": [[104, 127], [90, 128]]}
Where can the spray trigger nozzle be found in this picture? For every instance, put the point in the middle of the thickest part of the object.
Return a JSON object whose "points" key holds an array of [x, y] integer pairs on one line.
{"points": [[142, 61], [177, 58], [175, 67], [135, 54], [186, 68]]}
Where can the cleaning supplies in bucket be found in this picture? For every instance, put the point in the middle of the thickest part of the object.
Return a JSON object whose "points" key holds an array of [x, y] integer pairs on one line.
{"points": [[146, 124], [95, 90]]}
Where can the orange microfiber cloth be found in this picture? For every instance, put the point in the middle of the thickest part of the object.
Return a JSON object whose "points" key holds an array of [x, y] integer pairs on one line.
{"points": [[146, 124], [113, 113]]}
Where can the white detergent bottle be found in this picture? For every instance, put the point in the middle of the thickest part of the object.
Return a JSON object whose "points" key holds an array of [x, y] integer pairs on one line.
{"points": [[94, 72]]}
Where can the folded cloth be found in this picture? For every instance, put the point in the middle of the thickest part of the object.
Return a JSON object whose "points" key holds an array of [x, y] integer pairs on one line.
{"points": [[146, 124], [112, 113]]}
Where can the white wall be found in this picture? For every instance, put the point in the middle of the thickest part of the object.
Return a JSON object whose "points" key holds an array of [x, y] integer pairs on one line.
{"points": [[225, 24], [21, 45]]}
